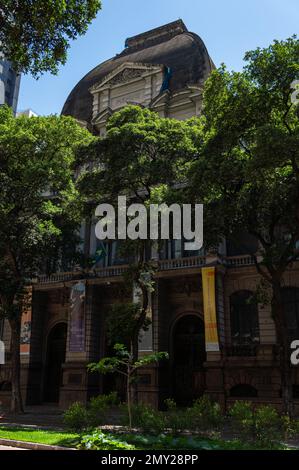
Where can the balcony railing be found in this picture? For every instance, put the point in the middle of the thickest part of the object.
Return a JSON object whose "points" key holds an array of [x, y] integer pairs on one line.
{"points": [[109, 271], [179, 263], [236, 261], [163, 265], [58, 277]]}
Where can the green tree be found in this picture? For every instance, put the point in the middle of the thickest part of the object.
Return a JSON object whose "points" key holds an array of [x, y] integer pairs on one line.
{"points": [[247, 170], [142, 157], [124, 363], [35, 36], [121, 321], [39, 206]]}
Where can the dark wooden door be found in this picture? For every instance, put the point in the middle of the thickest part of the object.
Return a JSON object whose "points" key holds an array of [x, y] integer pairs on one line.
{"points": [[56, 347], [188, 358]]}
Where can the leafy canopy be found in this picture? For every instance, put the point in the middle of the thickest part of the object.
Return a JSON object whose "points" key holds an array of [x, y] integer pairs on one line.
{"points": [[35, 35], [141, 155], [247, 173], [39, 204]]}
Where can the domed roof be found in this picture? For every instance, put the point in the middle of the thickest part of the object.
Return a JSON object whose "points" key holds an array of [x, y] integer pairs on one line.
{"points": [[171, 45]]}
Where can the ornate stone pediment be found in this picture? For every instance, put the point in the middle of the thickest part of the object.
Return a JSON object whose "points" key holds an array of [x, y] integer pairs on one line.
{"points": [[130, 83], [125, 73]]}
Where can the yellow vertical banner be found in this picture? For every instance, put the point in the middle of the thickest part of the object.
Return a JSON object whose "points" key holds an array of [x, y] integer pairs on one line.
{"points": [[209, 306]]}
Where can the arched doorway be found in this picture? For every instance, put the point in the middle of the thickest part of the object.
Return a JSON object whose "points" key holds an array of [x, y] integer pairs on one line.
{"points": [[55, 357], [188, 356]]}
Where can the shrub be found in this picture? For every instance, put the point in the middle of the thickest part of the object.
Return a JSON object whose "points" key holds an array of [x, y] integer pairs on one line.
{"points": [[288, 427], [170, 404], [100, 441], [98, 407], [267, 424], [76, 418], [167, 441], [175, 419], [146, 418], [204, 414], [242, 417]]}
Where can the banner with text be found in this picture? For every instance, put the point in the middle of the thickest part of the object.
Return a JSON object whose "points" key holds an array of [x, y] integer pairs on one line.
{"points": [[77, 318], [26, 320], [209, 305]]}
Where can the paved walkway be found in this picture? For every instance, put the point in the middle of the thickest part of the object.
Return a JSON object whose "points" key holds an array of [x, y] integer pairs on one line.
{"points": [[46, 416], [10, 448]]}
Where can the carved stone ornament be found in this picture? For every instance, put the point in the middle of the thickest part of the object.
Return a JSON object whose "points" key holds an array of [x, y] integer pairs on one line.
{"points": [[125, 76], [125, 73]]}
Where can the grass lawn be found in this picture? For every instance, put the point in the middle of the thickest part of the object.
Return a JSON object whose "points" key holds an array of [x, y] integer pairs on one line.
{"points": [[65, 439]]}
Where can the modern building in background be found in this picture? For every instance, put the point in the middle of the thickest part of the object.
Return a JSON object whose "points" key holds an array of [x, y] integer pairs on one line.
{"points": [[26, 112], [9, 84]]}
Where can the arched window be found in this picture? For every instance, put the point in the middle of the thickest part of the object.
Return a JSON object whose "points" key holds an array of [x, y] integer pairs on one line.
{"points": [[243, 391], [244, 320], [290, 298]]}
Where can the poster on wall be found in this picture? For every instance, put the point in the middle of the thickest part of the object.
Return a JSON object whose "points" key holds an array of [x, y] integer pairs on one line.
{"points": [[209, 304], [145, 337], [77, 317], [26, 321]]}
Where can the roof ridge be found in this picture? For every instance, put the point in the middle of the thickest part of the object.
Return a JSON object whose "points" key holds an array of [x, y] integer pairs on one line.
{"points": [[156, 35]]}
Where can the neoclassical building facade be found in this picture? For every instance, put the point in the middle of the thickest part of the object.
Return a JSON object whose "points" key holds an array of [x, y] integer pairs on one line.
{"points": [[163, 69]]}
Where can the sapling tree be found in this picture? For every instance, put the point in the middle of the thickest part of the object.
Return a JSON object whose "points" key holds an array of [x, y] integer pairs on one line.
{"points": [[124, 363]]}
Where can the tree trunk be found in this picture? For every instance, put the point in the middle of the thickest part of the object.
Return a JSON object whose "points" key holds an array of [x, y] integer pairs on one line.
{"points": [[280, 320], [129, 404], [16, 397]]}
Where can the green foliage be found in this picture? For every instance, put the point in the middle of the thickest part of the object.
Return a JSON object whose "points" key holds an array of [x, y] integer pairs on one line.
{"points": [[79, 417], [35, 35], [36, 155], [39, 208], [98, 407], [242, 417], [142, 153], [42, 436], [146, 418], [125, 359], [164, 441], [290, 427], [246, 171], [267, 424], [251, 129], [204, 414], [100, 441], [121, 321], [177, 419], [124, 363], [170, 404], [76, 417], [264, 425], [142, 156]]}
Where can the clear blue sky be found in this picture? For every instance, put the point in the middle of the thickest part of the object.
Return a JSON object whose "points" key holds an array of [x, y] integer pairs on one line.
{"points": [[228, 28]]}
